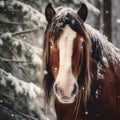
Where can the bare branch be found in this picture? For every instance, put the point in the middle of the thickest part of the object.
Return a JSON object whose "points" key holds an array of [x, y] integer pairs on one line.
{"points": [[24, 32], [11, 60], [10, 22]]}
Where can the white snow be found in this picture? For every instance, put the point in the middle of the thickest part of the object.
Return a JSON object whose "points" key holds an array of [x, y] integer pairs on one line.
{"points": [[36, 59], [33, 93], [32, 14], [24, 38], [4, 36], [96, 93], [55, 69], [110, 52], [105, 61], [12, 115], [118, 20], [2, 4], [3, 82], [83, 88], [36, 55], [1, 42], [99, 74], [1, 101], [35, 52], [45, 72], [16, 43], [29, 89], [86, 112]]}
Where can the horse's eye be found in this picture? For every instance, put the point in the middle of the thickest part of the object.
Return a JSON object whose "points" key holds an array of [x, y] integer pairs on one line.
{"points": [[82, 44], [50, 43]]}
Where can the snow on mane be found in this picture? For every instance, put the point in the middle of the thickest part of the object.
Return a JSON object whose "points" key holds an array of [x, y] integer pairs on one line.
{"points": [[109, 51]]}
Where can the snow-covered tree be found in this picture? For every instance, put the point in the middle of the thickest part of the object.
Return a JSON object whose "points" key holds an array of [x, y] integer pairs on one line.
{"points": [[21, 33], [22, 25]]}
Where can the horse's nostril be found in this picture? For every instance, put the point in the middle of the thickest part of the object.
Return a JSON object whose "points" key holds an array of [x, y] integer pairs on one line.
{"points": [[75, 89], [58, 90]]}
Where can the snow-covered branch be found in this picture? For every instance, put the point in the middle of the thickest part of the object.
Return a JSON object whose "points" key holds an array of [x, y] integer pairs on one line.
{"points": [[29, 53], [32, 14], [21, 51], [29, 50], [29, 89]]}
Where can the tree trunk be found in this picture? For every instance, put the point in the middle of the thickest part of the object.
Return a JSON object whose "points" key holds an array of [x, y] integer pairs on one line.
{"points": [[98, 17], [107, 19]]}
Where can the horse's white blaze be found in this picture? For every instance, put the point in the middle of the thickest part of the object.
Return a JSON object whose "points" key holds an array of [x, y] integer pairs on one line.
{"points": [[65, 78]]}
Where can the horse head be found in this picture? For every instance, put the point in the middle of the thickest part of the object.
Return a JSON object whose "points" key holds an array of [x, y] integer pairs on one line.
{"points": [[66, 54]]}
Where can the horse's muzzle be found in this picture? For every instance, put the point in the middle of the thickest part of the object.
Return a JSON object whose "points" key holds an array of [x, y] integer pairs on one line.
{"points": [[65, 95]]}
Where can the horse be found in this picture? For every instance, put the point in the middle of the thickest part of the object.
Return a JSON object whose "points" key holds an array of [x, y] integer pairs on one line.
{"points": [[80, 68]]}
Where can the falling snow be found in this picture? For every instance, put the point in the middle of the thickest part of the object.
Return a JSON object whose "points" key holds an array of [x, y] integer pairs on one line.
{"points": [[118, 20], [45, 72], [86, 112], [97, 93]]}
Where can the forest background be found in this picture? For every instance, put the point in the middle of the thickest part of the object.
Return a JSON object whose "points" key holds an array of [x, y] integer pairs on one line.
{"points": [[22, 26]]}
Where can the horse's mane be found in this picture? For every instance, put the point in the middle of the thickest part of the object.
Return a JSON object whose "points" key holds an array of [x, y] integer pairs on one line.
{"points": [[102, 50]]}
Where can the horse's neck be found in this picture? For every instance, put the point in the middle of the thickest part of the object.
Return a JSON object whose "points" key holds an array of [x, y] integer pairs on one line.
{"points": [[107, 52]]}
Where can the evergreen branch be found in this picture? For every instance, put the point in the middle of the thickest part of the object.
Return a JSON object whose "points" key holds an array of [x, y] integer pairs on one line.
{"points": [[7, 11], [24, 32], [26, 116], [30, 89], [22, 68], [10, 50], [1, 33]]}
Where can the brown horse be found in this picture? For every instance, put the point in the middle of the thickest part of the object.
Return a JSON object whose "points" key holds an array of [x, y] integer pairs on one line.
{"points": [[80, 67]]}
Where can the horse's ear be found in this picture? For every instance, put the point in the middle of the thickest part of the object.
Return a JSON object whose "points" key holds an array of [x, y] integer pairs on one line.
{"points": [[83, 12], [49, 12]]}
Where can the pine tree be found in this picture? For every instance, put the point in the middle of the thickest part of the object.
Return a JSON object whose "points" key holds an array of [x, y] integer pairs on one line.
{"points": [[21, 32]]}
